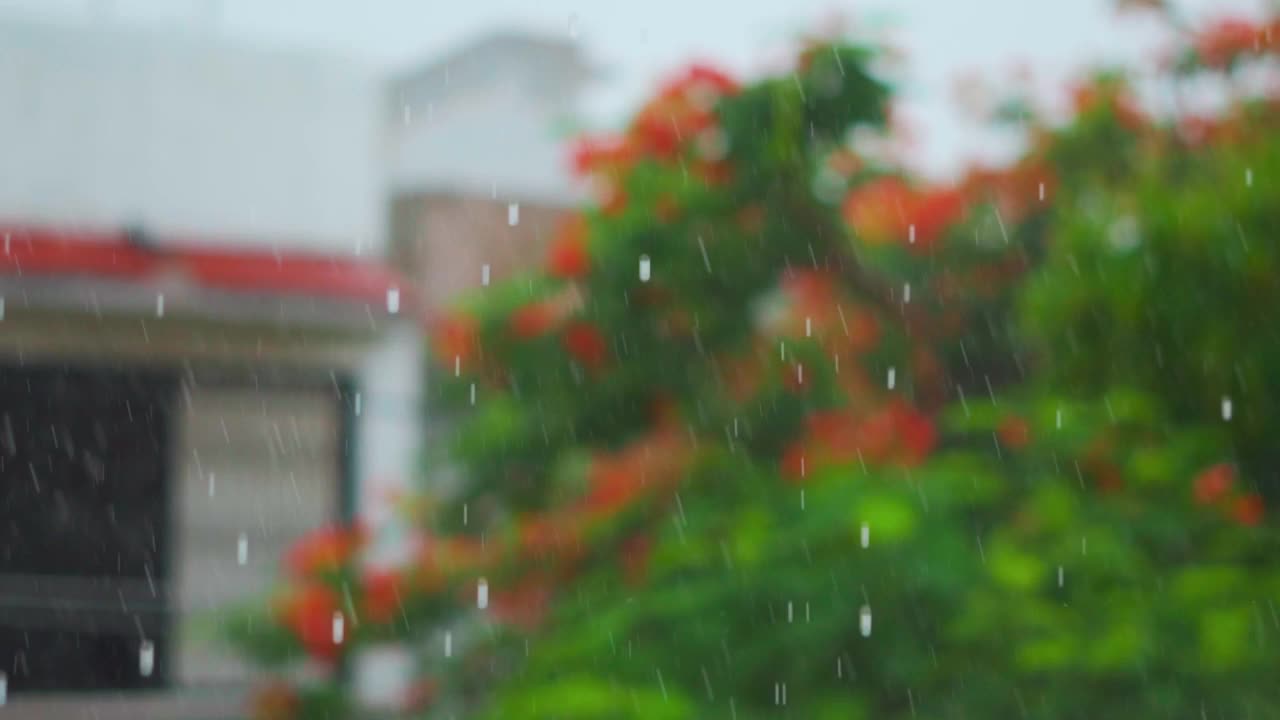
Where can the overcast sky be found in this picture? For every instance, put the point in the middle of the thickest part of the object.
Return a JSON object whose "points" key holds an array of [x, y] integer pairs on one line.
{"points": [[637, 41]]}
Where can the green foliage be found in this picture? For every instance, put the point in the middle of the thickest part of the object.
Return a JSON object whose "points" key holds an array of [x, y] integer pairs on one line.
{"points": [[767, 481]]}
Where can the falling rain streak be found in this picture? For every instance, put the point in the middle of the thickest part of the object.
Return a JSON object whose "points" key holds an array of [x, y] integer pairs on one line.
{"points": [[146, 658], [864, 621], [645, 268]]}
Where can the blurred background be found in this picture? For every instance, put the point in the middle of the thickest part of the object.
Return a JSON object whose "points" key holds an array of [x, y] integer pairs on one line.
{"points": [[226, 225]]}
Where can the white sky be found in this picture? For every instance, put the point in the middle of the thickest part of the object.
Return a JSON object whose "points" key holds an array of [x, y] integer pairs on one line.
{"points": [[637, 41]]}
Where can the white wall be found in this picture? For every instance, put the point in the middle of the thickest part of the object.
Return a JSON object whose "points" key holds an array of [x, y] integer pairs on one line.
{"points": [[190, 135]]}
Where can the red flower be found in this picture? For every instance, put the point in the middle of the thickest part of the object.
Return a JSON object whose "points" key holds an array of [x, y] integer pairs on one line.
{"points": [[568, 256], [585, 343], [382, 596], [934, 212], [533, 320], [308, 611], [1213, 483], [323, 550], [1014, 432], [276, 701], [1221, 43], [916, 432], [1247, 510]]}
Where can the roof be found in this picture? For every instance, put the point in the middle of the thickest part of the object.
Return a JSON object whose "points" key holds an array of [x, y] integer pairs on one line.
{"points": [[35, 254]]}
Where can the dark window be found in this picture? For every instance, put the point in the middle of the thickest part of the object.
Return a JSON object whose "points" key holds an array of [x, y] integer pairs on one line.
{"points": [[84, 457]]}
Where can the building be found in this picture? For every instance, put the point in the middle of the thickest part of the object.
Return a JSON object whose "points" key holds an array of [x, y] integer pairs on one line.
{"points": [[477, 148], [203, 352], [214, 267]]}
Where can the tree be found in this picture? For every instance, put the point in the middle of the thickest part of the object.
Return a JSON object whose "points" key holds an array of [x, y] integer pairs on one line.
{"points": [[783, 430]]}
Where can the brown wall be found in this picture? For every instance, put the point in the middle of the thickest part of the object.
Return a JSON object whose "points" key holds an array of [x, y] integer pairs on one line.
{"points": [[442, 241]]}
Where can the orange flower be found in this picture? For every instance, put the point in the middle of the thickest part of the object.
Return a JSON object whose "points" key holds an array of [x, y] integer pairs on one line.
{"points": [[794, 465], [1247, 510], [456, 337], [276, 701], [525, 605], [533, 320], [601, 155], [568, 256], [635, 552], [381, 596], [585, 343], [460, 556], [422, 694], [308, 611], [1213, 483], [887, 210], [323, 550], [1014, 432], [1092, 96], [878, 210]]}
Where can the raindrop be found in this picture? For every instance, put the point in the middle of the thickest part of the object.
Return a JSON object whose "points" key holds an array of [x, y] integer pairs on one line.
{"points": [[1058, 419], [160, 305], [893, 377], [473, 393], [212, 484], [1248, 177], [393, 300], [1226, 408], [482, 594], [906, 293], [800, 374], [1, 307], [864, 621], [359, 404], [457, 365], [1042, 191], [866, 535], [790, 611], [645, 268], [1060, 579], [802, 499], [808, 327], [242, 549], [484, 274], [146, 658], [339, 628], [911, 234], [513, 214], [448, 644], [4, 689]]}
